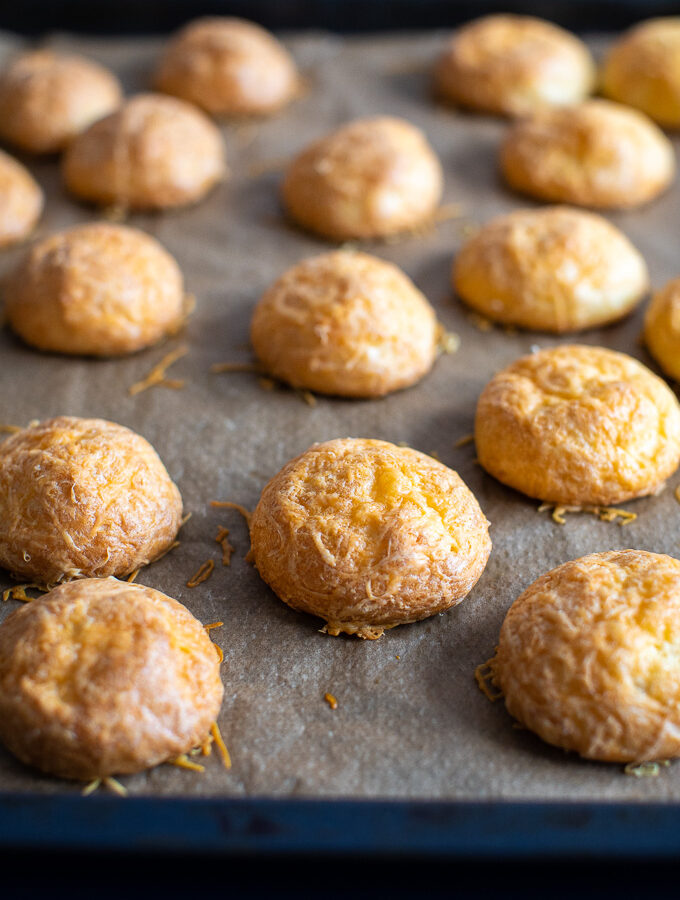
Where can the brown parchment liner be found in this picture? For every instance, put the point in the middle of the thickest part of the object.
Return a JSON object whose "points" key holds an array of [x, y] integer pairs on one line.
{"points": [[410, 721]]}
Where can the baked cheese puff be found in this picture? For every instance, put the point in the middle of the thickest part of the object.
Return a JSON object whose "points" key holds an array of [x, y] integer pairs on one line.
{"points": [[228, 67], [588, 656], [552, 269], [367, 536], [21, 201], [642, 69], [47, 98], [82, 497], [345, 323], [662, 328], [98, 289], [598, 154], [511, 65], [155, 152], [100, 677], [578, 426], [371, 178]]}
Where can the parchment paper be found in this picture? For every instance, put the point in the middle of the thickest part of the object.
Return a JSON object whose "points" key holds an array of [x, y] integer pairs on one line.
{"points": [[410, 721]]}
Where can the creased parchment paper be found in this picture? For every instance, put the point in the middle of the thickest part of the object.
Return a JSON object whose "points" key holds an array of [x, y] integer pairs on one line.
{"points": [[410, 720]]}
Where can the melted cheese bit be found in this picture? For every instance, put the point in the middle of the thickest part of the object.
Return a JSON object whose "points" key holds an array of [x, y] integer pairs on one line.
{"points": [[484, 676], [157, 375], [204, 572], [604, 513]]}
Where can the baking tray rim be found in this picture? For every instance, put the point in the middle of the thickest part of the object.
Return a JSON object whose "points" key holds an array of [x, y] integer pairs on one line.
{"points": [[238, 827]]}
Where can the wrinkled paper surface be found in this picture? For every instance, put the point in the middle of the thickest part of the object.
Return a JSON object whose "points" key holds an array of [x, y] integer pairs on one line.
{"points": [[410, 721]]}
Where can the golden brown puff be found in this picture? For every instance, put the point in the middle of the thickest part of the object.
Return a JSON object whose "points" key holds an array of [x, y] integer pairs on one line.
{"points": [[83, 497], [345, 323], [21, 201], [597, 153], [642, 69], [662, 328], [154, 152], [47, 98], [578, 425], [511, 65], [370, 178], [367, 535], [552, 269], [589, 656], [101, 677], [228, 67], [99, 289]]}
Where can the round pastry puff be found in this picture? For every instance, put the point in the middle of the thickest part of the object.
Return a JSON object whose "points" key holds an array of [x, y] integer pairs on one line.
{"points": [[47, 98], [367, 536], [589, 656], [553, 269], [228, 67], [21, 201], [598, 154], [642, 69], [97, 289], [83, 497], [579, 426], [662, 328], [371, 178], [101, 677], [155, 152], [511, 65], [345, 323]]}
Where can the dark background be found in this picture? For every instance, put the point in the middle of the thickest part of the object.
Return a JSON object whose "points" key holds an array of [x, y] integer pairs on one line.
{"points": [[157, 16]]}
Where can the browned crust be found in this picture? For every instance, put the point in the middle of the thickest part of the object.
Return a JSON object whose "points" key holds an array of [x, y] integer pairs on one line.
{"points": [[588, 656], [101, 677], [83, 497], [367, 535], [578, 425]]}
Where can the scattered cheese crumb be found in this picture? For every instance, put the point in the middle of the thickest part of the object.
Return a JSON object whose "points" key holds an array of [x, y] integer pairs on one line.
{"points": [[157, 375], [331, 701], [221, 746], [484, 676], [227, 504], [604, 513], [464, 441], [203, 573], [646, 769], [18, 592], [183, 762], [227, 548]]}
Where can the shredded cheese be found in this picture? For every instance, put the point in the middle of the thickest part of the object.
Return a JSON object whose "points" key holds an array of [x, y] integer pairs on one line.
{"points": [[484, 676], [157, 375], [646, 769], [183, 762], [604, 513], [18, 592], [227, 548], [221, 746], [204, 572], [227, 504], [447, 341], [113, 785], [331, 701]]}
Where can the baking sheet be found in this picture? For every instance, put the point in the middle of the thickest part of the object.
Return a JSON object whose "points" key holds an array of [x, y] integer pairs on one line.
{"points": [[410, 722]]}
